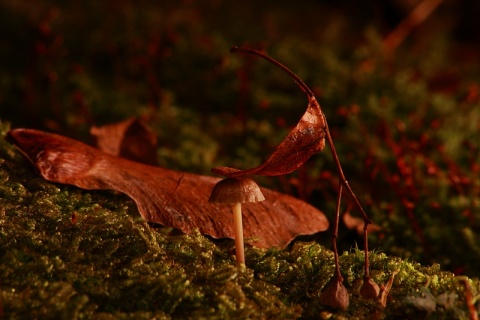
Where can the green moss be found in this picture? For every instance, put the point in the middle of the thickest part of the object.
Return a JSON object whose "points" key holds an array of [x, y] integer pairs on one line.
{"points": [[73, 254]]}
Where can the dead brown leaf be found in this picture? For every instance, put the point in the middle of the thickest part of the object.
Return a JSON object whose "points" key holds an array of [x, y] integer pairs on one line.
{"points": [[358, 224], [306, 139], [131, 139], [171, 198]]}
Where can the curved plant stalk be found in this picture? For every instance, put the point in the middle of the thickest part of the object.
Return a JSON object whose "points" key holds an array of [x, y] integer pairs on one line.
{"points": [[343, 180], [419, 14], [338, 274]]}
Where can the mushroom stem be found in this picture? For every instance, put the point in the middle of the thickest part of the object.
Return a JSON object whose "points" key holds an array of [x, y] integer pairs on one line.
{"points": [[238, 226], [235, 191]]}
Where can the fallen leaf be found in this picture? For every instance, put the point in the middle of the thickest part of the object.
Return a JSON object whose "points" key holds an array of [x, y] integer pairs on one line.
{"points": [[171, 198], [358, 224], [385, 290], [306, 139], [131, 139]]}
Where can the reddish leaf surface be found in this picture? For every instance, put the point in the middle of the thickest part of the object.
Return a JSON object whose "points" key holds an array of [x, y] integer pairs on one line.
{"points": [[131, 139], [306, 139], [171, 198]]}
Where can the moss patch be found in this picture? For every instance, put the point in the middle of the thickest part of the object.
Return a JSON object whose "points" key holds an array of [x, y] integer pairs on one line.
{"points": [[67, 253]]}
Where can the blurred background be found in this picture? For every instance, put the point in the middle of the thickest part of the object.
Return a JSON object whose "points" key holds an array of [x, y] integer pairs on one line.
{"points": [[400, 92]]}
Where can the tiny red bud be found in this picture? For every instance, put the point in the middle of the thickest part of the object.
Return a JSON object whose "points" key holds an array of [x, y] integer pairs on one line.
{"points": [[335, 295], [369, 289]]}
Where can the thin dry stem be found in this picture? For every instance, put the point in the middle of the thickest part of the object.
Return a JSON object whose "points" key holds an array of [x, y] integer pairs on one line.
{"points": [[365, 248], [416, 17], [344, 182], [338, 275], [299, 81], [343, 179]]}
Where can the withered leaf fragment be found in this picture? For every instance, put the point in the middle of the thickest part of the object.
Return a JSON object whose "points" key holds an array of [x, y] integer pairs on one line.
{"points": [[171, 198], [131, 139], [385, 290], [357, 224], [306, 139]]}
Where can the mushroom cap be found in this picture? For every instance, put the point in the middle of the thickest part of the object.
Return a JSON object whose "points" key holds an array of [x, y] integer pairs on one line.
{"points": [[236, 190]]}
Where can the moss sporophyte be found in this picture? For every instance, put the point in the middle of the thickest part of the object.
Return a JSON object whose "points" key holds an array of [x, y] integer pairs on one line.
{"points": [[306, 139]]}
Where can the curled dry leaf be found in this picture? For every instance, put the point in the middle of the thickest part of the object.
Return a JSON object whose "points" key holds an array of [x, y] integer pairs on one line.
{"points": [[171, 198], [385, 290], [358, 224], [131, 139], [306, 139]]}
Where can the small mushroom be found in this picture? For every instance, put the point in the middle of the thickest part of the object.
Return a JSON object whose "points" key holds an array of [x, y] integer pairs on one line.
{"points": [[235, 191]]}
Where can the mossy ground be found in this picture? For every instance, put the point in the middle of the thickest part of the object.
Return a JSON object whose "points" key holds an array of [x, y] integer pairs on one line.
{"points": [[72, 254], [405, 126]]}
